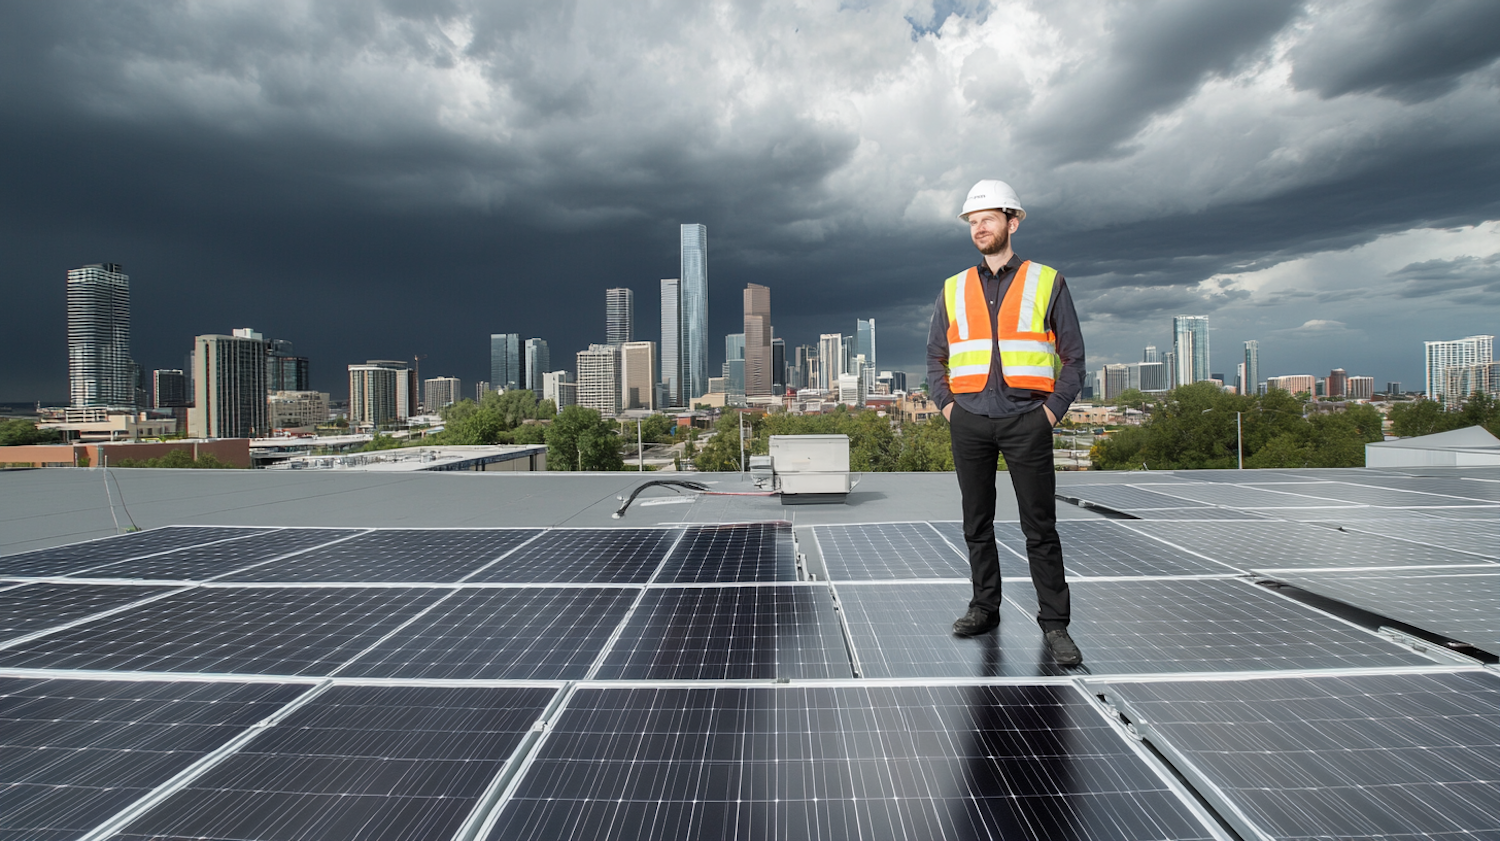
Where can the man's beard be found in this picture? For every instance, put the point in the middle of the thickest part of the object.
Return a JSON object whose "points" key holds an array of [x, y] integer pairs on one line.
{"points": [[1000, 242]]}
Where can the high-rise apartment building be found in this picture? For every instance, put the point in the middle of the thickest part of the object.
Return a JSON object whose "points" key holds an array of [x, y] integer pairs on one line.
{"points": [[864, 340], [296, 409], [619, 316], [558, 386], [169, 389], [1190, 347], [407, 388], [1460, 382], [694, 276], [1337, 383], [1474, 350], [481, 388], [1114, 379], [1150, 354], [758, 374], [1361, 388], [1294, 383], [638, 375], [599, 379], [100, 370], [671, 341], [1251, 363], [830, 360], [1146, 376], [505, 361], [438, 392], [380, 392], [229, 398], [538, 362]]}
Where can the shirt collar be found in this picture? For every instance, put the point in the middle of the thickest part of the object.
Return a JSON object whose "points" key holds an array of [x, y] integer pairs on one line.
{"points": [[1010, 266]]}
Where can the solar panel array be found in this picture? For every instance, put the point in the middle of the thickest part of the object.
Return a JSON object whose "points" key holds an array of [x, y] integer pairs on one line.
{"points": [[711, 682]]}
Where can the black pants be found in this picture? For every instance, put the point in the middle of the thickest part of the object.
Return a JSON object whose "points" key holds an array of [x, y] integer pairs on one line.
{"points": [[1026, 442]]}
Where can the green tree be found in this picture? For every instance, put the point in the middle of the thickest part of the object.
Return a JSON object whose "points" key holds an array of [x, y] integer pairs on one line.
{"points": [[16, 432], [721, 452], [1419, 417], [1132, 398], [579, 439], [926, 446], [179, 459], [381, 441]]}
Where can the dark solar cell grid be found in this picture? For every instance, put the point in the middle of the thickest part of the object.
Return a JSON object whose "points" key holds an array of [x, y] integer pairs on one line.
{"points": [[1244, 496], [62, 560], [1207, 514], [1479, 538], [584, 556], [433, 556], [1488, 513], [1461, 606], [522, 633], [1465, 489], [1335, 517], [1369, 495], [198, 563], [282, 631], [358, 762], [905, 630], [850, 762], [24, 610], [1212, 625], [1272, 545], [1109, 547], [711, 633], [76, 752], [890, 550], [755, 552], [1125, 497], [1371, 756]]}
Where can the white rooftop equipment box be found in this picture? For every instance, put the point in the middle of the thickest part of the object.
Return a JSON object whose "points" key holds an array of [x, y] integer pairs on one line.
{"points": [[811, 468]]}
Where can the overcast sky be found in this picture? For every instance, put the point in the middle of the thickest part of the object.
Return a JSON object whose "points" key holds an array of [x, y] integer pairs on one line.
{"points": [[386, 179]]}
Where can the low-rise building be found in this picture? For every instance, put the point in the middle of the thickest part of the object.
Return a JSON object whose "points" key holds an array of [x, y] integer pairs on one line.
{"points": [[297, 410]]}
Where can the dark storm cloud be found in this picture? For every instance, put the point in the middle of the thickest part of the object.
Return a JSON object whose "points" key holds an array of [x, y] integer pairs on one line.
{"points": [[1406, 49], [1468, 280]]}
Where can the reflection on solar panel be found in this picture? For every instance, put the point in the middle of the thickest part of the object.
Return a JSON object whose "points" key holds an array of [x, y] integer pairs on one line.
{"points": [[1203, 514], [1110, 547], [1368, 495], [697, 633], [906, 631], [1212, 625], [75, 752], [1481, 538], [755, 552], [1270, 545], [304, 631], [63, 560], [1369, 756], [31, 608], [1124, 497], [414, 555], [593, 556], [197, 563], [1475, 513], [358, 762], [1460, 606], [850, 762], [524, 633], [889, 550], [1245, 496]]}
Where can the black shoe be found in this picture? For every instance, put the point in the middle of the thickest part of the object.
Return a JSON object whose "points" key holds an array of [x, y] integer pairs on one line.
{"points": [[976, 621], [1063, 649]]}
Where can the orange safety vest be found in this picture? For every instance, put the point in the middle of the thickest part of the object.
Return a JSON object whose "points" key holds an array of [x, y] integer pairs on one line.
{"points": [[1028, 349]]}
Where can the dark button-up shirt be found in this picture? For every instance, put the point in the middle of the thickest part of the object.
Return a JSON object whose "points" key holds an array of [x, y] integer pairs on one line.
{"points": [[999, 400]]}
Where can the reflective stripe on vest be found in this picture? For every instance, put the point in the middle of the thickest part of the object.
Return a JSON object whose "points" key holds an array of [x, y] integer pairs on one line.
{"points": [[1028, 350]]}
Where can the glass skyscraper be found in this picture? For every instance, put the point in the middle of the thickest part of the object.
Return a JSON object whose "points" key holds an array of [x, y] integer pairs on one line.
{"points": [[671, 340], [694, 277], [100, 370], [619, 316], [505, 361], [1251, 384], [864, 340], [538, 362], [1190, 348]]}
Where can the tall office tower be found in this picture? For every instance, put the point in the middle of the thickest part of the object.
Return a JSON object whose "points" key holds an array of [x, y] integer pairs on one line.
{"points": [[758, 374], [229, 398], [1190, 345], [830, 360], [438, 392], [638, 375], [558, 386], [1338, 382], [599, 379], [1393, 388], [619, 316], [798, 371], [694, 276], [285, 371], [505, 361], [100, 370], [734, 364], [538, 362], [372, 394], [778, 366], [1474, 350], [814, 373], [1115, 379], [1239, 379], [671, 340], [1150, 354], [1169, 361], [864, 340], [169, 388], [1252, 367], [1361, 388]]}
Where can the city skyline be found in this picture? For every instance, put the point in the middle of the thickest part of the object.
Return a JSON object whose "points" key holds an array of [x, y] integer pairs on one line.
{"points": [[1318, 177]]}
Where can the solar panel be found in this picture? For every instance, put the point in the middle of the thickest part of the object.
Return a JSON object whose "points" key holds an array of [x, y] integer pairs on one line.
{"points": [[197, 563], [592, 556], [1244, 496], [284, 631], [1474, 513], [1460, 606], [1124, 497], [1482, 538], [913, 762], [1456, 486], [1201, 514], [1369, 495], [889, 550], [698, 633], [62, 560], [31, 608], [1273, 545], [356, 763], [1367, 756], [75, 752], [754, 552], [411, 555], [528, 633], [1092, 548]]}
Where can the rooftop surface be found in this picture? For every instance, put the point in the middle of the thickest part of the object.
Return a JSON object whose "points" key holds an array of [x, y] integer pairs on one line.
{"points": [[325, 655]]}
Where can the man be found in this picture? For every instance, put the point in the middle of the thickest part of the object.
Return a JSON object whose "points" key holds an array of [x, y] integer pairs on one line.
{"points": [[1004, 362]]}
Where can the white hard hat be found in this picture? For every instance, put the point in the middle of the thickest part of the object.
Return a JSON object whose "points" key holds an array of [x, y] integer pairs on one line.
{"points": [[990, 194]]}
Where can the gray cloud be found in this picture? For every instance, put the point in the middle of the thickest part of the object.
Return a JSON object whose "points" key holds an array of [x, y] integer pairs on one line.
{"points": [[1467, 279]]}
